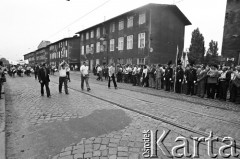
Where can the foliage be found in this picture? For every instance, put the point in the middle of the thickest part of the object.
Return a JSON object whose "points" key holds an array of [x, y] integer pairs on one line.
{"points": [[196, 49], [212, 53]]}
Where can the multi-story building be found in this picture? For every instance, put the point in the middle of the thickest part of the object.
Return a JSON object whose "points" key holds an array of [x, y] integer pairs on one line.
{"points": [[231, 35], [30, 57], [67, 49], [146, 35]]}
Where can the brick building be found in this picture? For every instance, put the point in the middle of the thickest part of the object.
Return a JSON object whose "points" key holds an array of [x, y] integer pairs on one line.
{"points": [[231, 35], [146, 35], [67, 49]]}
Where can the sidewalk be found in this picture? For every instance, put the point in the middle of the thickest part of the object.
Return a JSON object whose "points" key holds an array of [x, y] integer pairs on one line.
{"points": [[2, 126]]}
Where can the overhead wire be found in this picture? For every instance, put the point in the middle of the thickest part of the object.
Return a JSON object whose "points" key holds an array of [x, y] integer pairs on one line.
{"points": [[86, 14]]}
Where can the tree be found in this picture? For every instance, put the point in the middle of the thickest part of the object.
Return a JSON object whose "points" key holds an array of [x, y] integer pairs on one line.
{"points": [[4, 60], [196, 49], [212, 53]]}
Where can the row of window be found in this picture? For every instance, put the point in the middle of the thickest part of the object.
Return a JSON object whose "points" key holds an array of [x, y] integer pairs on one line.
{"points": [[58, 54], [99, 47], [142, 20], [140, 61]]}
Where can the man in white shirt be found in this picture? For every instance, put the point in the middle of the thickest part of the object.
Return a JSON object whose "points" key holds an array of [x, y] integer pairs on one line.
{"points": [[63, 77], [84, 76], [111, 73]]}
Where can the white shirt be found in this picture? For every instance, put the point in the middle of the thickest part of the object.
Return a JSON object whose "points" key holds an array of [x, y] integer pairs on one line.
{"points": [[145, 72], [84, 70], [62, 72], [99, 69], [111, 71]]}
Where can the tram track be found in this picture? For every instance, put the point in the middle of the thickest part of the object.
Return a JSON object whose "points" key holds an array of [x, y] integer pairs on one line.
{"points": [[169, 97], [201, 133]]}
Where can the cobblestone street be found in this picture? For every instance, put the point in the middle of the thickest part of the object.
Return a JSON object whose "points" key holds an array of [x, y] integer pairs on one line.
{"points": [[106, 123]]}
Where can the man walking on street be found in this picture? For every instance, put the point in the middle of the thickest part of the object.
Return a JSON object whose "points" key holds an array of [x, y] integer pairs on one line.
{"points": [[111, 74], [84, 76], [43, 77], [63, 77]]}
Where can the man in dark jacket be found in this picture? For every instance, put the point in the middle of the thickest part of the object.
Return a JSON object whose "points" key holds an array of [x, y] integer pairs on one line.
{"points": [[168, 76], [43, 77], [191, 78], [36, 69], [179, 78]]}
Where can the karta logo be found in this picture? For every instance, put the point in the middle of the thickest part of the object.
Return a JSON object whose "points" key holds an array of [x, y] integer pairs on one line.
{"points": [[153, 142]]}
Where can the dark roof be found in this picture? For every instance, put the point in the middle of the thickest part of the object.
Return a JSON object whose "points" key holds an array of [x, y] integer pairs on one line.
{"points": [[174, 8]]}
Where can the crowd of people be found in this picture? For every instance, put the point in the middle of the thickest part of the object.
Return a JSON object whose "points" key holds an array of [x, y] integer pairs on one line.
{"points": [[210, 81], [206, 81]]}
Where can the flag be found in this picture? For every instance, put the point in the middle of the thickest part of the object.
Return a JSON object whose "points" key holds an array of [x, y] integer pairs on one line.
{"points": [[182, 60], [176, 56], [186, 60]]}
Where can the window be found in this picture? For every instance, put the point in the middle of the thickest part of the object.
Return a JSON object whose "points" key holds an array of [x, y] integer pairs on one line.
{"points": [[129, 61], [98, 33], [87, 49], [97, 61], [82, 50], [87, 36], [141, 61], [98, 47], [141, 40], [104, 30], [92, 34], [121, 25], [92, 48], [129, 42], [82, 37], [120, 43], [112, 45], [112, 28], [142, 18], [120, 61], [130, 22]]}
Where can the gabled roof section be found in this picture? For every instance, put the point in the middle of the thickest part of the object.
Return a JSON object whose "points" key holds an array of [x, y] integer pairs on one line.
{"points": [[43, 43], [174, 8]]}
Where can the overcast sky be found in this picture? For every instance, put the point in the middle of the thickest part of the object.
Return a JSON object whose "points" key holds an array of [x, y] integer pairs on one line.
{"points": [[25, 23]]}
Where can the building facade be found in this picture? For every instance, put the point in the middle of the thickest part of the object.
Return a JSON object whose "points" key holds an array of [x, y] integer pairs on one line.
{"points": [[146, 35], [231, 35], [67, 49]]}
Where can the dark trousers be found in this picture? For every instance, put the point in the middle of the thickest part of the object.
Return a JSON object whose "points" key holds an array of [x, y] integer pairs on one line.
{"points": [[190, 88], [36, 75], [178, 87], [223, 87], [201, 88], [46, 84], [113, 79], [68, 76], [85, 78], [134, 80], [168, 85], [211, 88], [1, 89], [61, 81]]}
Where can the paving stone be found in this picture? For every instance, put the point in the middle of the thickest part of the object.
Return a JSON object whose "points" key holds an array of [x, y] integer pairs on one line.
{"points": [[133, 156], [124, 149], [113, 145], [65, 153], [122, 154], [105, 141], [97, 140], [78, 156], [97, 153], [112, 140], [96, 146], [88, 155], [66, 157], [103, 147], [133, 149], [113, 157], [112, 151], [104, 153]]}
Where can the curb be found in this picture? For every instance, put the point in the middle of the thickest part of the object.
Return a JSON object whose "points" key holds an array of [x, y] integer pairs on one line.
{"points": [[2, 127]]}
